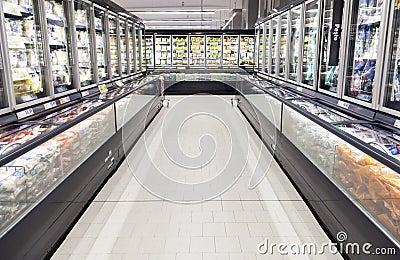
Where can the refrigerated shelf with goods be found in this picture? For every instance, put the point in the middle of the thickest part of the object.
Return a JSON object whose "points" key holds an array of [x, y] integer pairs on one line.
{"points": [[162, 50], [114, 46], [101, 38], [137, 47], [197, 55], [123, 46], [180, 50], [295, 42], [260, 46], [214, 50], [131, 48], [230, 55], [274, 45], [246, 55], [284, 19], [267, 47], [149, 54]]}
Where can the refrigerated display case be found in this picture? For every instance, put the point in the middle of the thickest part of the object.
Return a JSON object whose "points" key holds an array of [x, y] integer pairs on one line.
{"points": [[267, 47], [260, 47], [137, 48], [246, 54], [230, 55], [310, 59], [132, 57], [101, 47], [142, 49], [213, 50], [197, 55], [123, 54], [149, 57], [180, 50], [25, 50], [363, 49], [295, 42], [162, 50], [283, 45], [84, 43], [274, 45], [114, 46]]}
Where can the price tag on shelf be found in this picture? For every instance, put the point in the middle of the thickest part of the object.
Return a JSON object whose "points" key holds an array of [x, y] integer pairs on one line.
{"points": [[343, 104], [397, 123], [299, 89], [85, 93], [103, 88], [119, 83], [50, 105], [65, 100], [25, 113]]}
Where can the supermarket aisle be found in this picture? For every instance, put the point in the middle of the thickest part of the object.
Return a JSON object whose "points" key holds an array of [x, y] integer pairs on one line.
{"points": [[126, 221]]}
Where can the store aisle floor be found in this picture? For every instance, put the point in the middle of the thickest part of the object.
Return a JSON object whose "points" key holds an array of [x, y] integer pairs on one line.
{"points": [[128, 220]]}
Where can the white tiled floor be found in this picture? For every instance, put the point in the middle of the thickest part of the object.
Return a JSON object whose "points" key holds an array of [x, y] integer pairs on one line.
{"points": [[127, 222]]}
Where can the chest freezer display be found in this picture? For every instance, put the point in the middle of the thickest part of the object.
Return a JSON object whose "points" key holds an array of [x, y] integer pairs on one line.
{"points": [[294, 49], [149, 58], [363, 49], [114, 51], [246, 50], [131, 48], [214, 50], [84, 43], [274, 45], [230, 54], [163, 50], [310, 43], [180, 50], [25, 49], [123, 54], [283, 45], [99, 20], [197, 51]]}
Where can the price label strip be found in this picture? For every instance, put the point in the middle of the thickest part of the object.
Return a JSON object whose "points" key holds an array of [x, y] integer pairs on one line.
{"points": [[343, 104], [25, 113], [65, 100], [85, 93], [50, 105]]}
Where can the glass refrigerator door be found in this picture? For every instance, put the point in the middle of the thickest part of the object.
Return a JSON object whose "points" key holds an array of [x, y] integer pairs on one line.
{"points": [[283, 46], [114, 52], [274, 45], [180, 50], [197, 51], [363, 50], [214, 50], [149, 58], [131, 48], [123, 54], [246, 50], [3, 97], [231, 50], [260, 47], [99, 20], [267, 46], [391, 95], [142, 49], [84, 43], [25, 50], [295, 42], [310, 43], [137, 49], [163, 50]]}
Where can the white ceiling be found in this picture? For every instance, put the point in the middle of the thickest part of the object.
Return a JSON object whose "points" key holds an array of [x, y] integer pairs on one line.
{"points": [[179, 14]]}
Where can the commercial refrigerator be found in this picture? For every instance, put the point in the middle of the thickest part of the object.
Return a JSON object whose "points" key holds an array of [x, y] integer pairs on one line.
{"points": [[180, 50], [162, 50], [131, 42], [283, 46], [214, 50], [123, 54], [137, 48], [142, 48], [149, 56], [84, 43], [295, 45], [114, 45], [246, 53], [101, 44], [267, 47], [197, 47], [274, 36], [230, 54], [260, 47]]}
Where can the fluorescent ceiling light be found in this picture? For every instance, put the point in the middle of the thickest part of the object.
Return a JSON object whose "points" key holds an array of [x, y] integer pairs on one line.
{"points": [[177, 21], [174, 12], [179, 27], [229, 21]]}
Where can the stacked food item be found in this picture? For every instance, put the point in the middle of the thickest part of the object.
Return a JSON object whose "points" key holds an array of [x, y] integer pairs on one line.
{"points": [[374, 185], [214, 50]]}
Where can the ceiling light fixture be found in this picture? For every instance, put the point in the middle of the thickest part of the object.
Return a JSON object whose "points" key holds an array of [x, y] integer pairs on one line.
{"points": [[177, 21], [178, 27], [173, 12], [229, 21]]}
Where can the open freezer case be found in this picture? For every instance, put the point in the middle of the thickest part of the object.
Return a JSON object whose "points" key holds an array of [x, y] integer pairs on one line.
{"points": [[274, 45], [25, 50], [84, 43], [197, 56], [131, 43], [114, 46], [180, 50], [230, 55], [214, 50], [149, 55], [101, 44], [162, 50], [296, 35], [246, 54], [123, 46], [284, 19]]}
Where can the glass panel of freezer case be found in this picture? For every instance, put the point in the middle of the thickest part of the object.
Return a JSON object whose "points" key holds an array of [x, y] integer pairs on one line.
{"points": [[114, 52], [231, 50], [260, 47], [163, 50], [295, 42], [149, 58], [214, 50], [392, 87], [123, 53], [310, 42], [282, 46], [266, 49], [131, 48], [25, 49], [246, 50], [197, 51], [274, 44], [180, 50], [363, 49], [84, 43], [99, 20]]}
